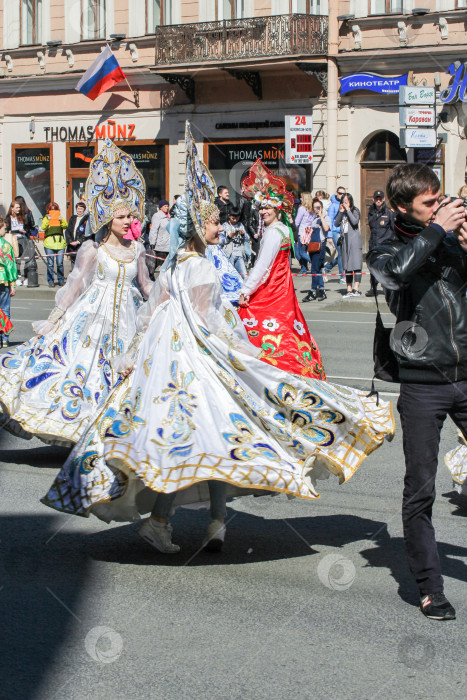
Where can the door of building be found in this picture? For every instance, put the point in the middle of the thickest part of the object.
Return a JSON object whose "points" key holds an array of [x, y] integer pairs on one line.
{"points": [[382, 153], [78, 160]]}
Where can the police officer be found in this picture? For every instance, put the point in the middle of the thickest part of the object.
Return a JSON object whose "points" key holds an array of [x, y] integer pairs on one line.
{"points": [[381, 223], [75, 231]]}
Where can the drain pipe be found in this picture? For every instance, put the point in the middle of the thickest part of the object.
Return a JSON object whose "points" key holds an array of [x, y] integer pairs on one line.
{"points": [[333, 87]]}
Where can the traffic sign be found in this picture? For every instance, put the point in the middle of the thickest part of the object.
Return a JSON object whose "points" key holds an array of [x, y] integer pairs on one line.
{"points": [[298, 139], [418, 138], [416, 95], [417, 116]]}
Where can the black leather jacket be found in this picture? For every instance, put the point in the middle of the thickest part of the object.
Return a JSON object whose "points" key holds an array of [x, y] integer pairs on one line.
{"points": [[425, 281]]}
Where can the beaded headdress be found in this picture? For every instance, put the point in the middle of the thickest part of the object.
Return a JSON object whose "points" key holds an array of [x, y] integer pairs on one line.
{"points": [[266, 189], [114, 183], [200, 186]]}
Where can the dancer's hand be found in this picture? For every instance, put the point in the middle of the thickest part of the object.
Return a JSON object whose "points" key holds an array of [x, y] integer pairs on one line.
{"points": [[127, 372], [244, 300], [12, 291]]}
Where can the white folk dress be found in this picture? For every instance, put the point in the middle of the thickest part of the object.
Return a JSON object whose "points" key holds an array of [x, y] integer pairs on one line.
{"points": [[52, 385], [199, 405]]}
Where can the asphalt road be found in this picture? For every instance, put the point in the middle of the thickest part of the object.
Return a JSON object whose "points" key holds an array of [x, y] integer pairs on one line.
{"points": [[307, 600]]}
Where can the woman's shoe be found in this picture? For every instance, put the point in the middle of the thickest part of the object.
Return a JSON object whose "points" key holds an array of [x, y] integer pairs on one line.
{"points": [[158, 535], [311, 296], [215, 536]]}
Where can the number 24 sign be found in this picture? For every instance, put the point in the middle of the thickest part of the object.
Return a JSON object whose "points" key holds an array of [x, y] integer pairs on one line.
{"points": [[298, 139]]}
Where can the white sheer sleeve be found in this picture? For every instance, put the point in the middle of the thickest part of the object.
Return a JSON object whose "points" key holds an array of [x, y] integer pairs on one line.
{"points": [[270, 247], [215, 312], [144, 281], [78, 281], [158, 294]]}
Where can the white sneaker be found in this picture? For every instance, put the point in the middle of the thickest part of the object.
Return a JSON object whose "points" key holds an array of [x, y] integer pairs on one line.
{"points": [[159, 536], [25, 283], [342, 281], [325, 279], [18, 282], [215, 536]]}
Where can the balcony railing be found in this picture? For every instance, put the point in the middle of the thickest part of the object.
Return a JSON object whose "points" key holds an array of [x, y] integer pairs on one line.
{"points": [[241, 39]]}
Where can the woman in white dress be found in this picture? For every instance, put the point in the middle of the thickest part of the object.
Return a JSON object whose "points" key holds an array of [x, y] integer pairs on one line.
{"points": [[55, 382], [200, 408]]}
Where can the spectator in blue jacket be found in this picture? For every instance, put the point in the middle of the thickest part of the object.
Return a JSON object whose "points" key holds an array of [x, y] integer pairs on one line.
{"points": [[333, 210]]}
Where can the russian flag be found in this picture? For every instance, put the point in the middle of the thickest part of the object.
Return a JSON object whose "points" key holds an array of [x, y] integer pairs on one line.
{"points": [[104, 72]]}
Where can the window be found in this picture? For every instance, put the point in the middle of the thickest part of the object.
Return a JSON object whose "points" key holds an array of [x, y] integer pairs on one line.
{"points": [[158, 12], [384, 146], [92, 19], [309, 7], [381, 7], [31, 21]]}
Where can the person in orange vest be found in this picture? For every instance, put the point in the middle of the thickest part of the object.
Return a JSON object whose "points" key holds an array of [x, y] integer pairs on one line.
{"points": [[53, 225]]}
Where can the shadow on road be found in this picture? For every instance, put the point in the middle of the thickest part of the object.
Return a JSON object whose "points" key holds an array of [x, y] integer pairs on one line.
{"points": [[48, 456]]}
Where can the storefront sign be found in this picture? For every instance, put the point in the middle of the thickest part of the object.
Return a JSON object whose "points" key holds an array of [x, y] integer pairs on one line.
{"points": [[32, 178], [110, 129], [229, 164], [298, 139], [417, 116], [458, 89], [250, 125], [373, 83], [418, 138], [416, 95], [430, 156]]}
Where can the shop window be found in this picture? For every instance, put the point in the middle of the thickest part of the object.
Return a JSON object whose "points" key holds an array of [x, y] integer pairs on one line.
{"points": [[93, 19], [30, 17], [381, 7], [229, 164], [382, 147], [32, 168]]}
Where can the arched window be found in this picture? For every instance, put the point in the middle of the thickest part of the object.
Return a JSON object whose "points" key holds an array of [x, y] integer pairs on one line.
{"points": [[382, 147]]}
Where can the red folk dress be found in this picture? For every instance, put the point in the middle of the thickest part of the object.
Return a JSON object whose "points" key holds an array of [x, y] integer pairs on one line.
{"points": [[273, 318]]}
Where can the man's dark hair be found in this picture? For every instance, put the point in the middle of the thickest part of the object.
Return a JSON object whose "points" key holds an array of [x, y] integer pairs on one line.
{"points": [[409, 180], [221, 188], [234, 211]]}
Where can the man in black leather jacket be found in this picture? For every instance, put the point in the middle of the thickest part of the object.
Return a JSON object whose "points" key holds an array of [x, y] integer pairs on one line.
{"points": [[423, 271]]}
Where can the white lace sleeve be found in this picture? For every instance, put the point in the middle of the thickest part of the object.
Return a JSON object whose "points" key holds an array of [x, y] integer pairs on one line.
{"points": [[216, 314], [158, 294], [78, 281], [270, 247], [144, 281]]}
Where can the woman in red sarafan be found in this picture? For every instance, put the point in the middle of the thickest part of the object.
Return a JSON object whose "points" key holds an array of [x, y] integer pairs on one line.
{"points": [[268, 305]]}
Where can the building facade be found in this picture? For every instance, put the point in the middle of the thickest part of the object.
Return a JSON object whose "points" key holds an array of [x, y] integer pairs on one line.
{"points": [[235, 69]]}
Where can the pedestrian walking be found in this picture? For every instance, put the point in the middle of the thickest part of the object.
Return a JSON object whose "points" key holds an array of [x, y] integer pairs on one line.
{"points": [[333, 211], [223, 203], [8, 276], [423, 271], [18, 228], [75, 231], [381, 225], [235, 238], [348, 218], [249, 219], [53, 225], [304, 221], [320, 228], [158, 238]]}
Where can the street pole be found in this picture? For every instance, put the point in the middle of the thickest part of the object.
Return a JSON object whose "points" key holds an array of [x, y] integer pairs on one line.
{"points": [[333, 87]]}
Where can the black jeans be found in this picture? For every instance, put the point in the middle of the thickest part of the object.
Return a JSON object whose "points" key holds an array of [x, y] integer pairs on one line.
{"points": [[423, 409]]}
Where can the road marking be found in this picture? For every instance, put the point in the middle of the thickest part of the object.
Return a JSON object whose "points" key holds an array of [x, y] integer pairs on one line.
{"points": [[329, 320]]}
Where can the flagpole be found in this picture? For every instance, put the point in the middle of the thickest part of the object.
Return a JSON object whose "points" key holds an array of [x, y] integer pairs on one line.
{"points": [[135, 92]]}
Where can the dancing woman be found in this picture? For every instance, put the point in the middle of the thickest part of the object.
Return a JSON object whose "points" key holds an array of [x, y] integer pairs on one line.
{"points": [[200, 407], [54, 383], [269, 306]]}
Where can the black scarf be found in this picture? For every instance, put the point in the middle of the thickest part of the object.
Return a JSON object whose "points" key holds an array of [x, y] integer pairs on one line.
{"points": [[405, 230]]}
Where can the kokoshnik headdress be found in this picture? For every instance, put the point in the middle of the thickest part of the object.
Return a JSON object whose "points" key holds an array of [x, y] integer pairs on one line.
{"points": [[266, 189], [200, 186], [114, 183]]}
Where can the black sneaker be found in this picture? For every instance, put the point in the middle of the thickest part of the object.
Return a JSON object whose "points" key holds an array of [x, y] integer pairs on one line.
{"points": [[436, 606], [311, 296], [370, 293]]}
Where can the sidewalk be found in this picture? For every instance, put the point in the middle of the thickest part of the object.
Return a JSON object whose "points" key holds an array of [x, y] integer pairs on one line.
{"points": [[334, 290]]}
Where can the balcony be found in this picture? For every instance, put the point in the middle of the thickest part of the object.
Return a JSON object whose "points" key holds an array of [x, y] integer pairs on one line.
{"points": [[240, 40]]}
